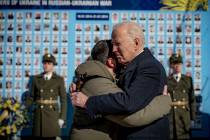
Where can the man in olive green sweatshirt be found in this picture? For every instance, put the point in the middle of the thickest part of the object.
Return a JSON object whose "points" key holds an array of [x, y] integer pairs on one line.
{"points": [[97, 78]]}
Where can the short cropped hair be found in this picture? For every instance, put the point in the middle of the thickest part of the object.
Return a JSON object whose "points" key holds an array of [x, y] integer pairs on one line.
{"points": [[102, 51]]}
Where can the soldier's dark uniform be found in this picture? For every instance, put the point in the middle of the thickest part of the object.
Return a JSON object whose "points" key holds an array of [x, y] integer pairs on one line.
{"points": [[44, 94], [183, 105]]}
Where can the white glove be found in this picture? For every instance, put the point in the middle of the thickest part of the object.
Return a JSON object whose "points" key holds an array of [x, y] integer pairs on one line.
{"points": [[192, 123], [60, 123]]}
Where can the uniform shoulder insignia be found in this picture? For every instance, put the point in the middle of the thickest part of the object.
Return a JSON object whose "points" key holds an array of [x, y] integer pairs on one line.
{"points": [[55, 75], [38, 75], [170, 77], [188, 76], [58, 76]]}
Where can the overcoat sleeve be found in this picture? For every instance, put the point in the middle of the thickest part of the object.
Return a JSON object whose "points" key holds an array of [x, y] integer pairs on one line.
{"points": [[63, 100]]}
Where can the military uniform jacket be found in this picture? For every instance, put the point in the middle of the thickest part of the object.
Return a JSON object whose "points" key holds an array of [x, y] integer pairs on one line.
{"points": [[45, 119], [181, 116]]}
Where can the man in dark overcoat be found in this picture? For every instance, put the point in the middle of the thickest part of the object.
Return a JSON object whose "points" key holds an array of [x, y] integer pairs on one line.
{"points": [[143, 79]]}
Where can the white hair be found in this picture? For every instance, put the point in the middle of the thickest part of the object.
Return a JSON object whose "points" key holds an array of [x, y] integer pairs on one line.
{"points": [[133, 30]]}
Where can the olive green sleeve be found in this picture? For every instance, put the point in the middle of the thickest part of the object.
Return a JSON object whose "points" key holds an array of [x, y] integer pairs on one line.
{"points": [[156, 109]]}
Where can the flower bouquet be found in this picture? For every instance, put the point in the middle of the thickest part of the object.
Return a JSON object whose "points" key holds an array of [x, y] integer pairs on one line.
{"points": [[13, 116]]}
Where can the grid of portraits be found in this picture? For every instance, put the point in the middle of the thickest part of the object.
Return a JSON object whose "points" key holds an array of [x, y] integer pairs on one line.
{"points": [[86, 35], [165, 33], [26, 35]]}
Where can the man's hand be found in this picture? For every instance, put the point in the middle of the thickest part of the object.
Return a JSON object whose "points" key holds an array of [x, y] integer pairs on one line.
{"points": [[165, 90], [79, 99], [72, 87], [192, 124]]}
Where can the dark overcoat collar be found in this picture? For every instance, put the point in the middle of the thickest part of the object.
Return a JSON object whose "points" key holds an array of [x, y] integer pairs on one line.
{"points": [[138, 59]]}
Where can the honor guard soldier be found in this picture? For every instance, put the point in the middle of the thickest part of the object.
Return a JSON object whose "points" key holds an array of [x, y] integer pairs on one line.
{"points": [[181, 91], [47, 90]]}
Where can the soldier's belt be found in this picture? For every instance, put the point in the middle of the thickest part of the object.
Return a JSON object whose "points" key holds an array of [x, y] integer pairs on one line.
{"points": [[47, 101], [179, 103]]}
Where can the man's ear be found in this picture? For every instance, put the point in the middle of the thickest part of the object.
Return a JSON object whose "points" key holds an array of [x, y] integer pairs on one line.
{"points": [[110, 63], [138, 42]]}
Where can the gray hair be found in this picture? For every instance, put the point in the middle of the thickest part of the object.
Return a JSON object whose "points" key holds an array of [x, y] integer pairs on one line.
{"points": [[133, 29]]}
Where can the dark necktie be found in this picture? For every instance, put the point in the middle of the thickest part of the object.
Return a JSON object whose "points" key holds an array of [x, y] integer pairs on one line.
{"points": [[177, 78]]}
